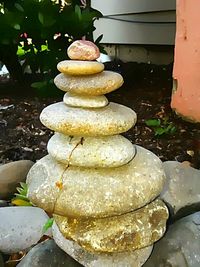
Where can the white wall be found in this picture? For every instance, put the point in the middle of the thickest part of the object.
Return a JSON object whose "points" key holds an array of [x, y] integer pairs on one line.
{"points": [[136, 21]]}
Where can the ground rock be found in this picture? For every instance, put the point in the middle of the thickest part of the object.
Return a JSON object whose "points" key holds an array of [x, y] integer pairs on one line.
{"points": [[47, 254], [11, 174], [124, 259], [20, 228], [180, 247], [130, 231], [100, 192], [110, 120], [107, 151], [97, 84], [83, 101], [182, 188], [75, 67], [83, 50]]}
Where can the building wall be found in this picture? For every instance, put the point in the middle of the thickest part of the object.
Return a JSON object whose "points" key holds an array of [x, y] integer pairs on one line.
{"points": [[131, 27]]}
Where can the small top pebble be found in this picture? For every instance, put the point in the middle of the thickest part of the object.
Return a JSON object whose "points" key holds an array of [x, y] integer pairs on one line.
{"points": [[83, 50]]}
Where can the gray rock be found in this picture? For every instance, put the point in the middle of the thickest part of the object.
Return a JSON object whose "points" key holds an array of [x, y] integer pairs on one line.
{"points": [[47, 254], [20, 228], [182, 188], [11, 174], [1, 261], [180, 247]]}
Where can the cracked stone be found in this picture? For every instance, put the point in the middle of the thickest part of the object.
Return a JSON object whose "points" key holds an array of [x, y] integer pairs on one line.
{"points": [[108, 151], [94, 85], [98, 192]]}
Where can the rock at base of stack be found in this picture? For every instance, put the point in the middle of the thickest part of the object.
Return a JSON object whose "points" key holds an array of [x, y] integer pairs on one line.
{"points": [[124, 259]]}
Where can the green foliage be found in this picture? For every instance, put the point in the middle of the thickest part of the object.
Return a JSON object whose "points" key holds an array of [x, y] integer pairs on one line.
{"points": [[161, 127], [21, 198], [48, 224], [39, 32]]}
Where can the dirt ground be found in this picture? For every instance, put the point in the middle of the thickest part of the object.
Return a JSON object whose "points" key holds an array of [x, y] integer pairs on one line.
{"points": [[147, 90]]}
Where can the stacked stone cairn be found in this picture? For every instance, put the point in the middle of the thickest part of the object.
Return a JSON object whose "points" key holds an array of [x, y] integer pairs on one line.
{"points": [[100, 188]]}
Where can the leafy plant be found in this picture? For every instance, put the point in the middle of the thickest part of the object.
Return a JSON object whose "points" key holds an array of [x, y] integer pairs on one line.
{"points": [[21, 198], [48, 224], [161, 127], [35, 34]]}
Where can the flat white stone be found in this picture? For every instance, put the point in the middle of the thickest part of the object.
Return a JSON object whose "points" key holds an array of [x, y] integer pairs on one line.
{"points": [[85, 101], [96, 192], [107, 151], [96, 84], [126, 259], [110, 120], [77, 67], [20, 228]]}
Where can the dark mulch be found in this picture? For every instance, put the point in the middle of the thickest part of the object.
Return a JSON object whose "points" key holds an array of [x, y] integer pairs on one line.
{"points": [[147, 90]]}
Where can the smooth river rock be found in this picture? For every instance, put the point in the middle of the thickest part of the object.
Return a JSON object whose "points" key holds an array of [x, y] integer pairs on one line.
{"points": [[130, 231], [124, 259], [20, 228], [182, 188], [83, 101], [100, 192], [75, 67], [47, 254], [96, 84], [107, 151], [110, 120], [180, 247], [11, 174], [83, 50]]}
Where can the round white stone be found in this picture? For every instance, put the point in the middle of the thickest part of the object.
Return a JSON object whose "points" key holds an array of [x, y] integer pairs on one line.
{"points": [[77, 67], [126, 259], [108, 151], [85, 101], [96, 84], [96, 192], [20, 228], [109, 120]]}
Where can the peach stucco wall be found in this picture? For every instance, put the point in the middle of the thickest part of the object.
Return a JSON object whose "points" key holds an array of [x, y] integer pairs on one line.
{"points": [[186, 96]]}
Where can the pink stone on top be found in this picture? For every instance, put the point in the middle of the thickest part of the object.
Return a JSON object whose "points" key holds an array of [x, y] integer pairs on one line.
{"points": [[83, 50]]}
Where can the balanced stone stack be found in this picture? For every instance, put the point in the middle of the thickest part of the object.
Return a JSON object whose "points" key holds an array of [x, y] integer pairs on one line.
{"points": [[100, 188]]}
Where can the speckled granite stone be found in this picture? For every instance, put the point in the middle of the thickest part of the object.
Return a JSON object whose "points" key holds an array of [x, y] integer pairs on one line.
{"points": [[134, 258], [96, 84], [110, 120]]}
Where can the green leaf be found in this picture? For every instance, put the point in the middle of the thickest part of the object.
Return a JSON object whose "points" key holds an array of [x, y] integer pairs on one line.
{"points": [[19, 7], [18, 196], [78, 12], [173, 130], [160, 131], [48, 225], [153, 122], [17, 27], [98, 40], [20, 202], [41, 18]]}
